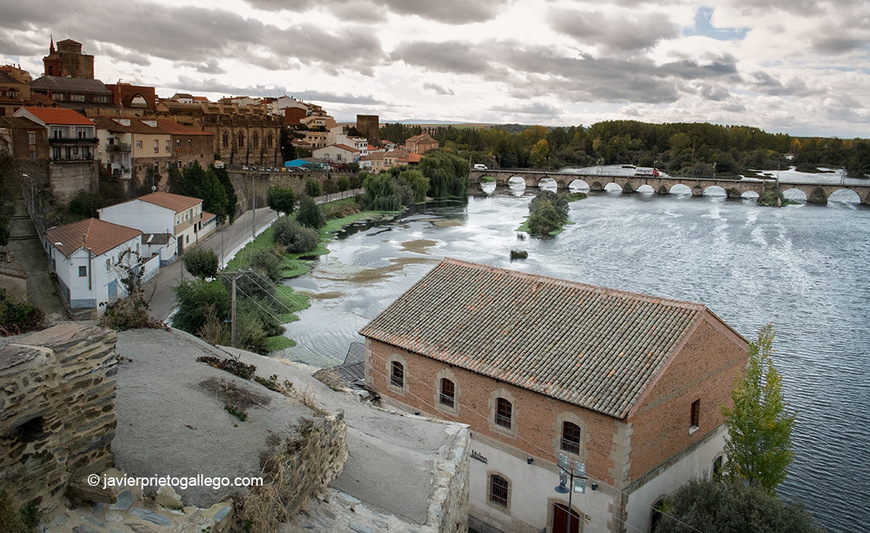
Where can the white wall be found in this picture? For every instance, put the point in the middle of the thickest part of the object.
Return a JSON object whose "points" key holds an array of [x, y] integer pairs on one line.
{"points": [[91, 290], [148, 218], [532, 491], [698, 464]]}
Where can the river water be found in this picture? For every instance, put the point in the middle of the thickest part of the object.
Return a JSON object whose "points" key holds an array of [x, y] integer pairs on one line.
{"points": [[802, 267]]}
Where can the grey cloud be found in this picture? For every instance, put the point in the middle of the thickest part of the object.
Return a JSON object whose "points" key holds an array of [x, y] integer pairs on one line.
{"points": [[800, 7], [714, 93], [533, 108], [124, 55], [453, 56], [448, 11], [438, 89], [768, 84], [839, 43], [622, 33], [336, 98]]}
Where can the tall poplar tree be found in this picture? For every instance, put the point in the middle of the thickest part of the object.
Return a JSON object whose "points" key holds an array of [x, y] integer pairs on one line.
{"points": [[758, 445]]}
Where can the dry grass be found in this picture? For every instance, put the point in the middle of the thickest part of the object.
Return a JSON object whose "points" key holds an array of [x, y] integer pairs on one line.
{"points": [[330, 378]]}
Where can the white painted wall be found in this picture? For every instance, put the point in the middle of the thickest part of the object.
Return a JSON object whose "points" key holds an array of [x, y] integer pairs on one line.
{"points": [[531, 495], [148, 218], [91, 290], [698, 464]]}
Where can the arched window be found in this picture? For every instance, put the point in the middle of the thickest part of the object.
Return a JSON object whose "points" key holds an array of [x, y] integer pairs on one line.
{"points": [[448, 393], [269, 140], [226, 140], [717, 467], [255, 140], [570, 437], [241, 140], [499, 490], [503, 413], [397, 374], [656, 515]]}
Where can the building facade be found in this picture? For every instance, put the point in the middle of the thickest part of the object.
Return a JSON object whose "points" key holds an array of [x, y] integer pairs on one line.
{"points": [[629, 385], [85, 256], [72, 144], [164, 213]]}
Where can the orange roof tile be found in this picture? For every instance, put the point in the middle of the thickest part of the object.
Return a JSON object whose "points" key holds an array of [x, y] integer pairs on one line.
{"points": [[67, 117], [176, 202], [97, 235]]}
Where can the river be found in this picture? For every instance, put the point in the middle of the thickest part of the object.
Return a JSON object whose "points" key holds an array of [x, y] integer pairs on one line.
{"points": [[802, 267]]}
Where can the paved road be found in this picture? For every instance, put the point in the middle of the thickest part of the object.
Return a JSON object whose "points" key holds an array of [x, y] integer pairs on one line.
{"points": [[161, 288]]}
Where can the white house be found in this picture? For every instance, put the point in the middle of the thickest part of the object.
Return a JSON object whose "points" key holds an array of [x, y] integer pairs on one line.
{"points": [[337, 153], [163, 212], [84, 255]]}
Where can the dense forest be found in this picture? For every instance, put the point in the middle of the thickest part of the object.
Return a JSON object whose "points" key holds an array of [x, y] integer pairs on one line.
{"points": [[697, 149]]}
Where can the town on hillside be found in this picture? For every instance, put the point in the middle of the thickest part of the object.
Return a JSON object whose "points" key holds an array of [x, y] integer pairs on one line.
{"points": [[141, 295]]}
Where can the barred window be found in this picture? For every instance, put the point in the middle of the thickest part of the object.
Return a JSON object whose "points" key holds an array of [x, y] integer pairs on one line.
{"points": [[397, 374], [498, 490], [503, 413], [448, 393], [570, 437]]}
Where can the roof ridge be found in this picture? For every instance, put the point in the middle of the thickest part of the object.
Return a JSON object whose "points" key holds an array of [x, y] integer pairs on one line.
{"points": [[579, 284]]}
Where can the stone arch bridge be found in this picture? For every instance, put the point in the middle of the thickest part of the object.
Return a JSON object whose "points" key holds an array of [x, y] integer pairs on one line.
{"points": [[816, 193]]}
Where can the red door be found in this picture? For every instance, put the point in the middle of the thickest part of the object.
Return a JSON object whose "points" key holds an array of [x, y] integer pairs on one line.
{"points": [[560, 520]]}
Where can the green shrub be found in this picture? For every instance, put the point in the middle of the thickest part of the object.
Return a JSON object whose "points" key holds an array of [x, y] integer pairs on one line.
{"points": [[292, 234], [330, 187], [194, 297], [281, 200], [310, 215], [201, 262], [267, 264], [18, 316], [312, 188]]}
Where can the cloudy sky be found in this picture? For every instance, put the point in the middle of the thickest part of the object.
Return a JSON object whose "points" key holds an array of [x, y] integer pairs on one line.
{"points": [[793, 66]]}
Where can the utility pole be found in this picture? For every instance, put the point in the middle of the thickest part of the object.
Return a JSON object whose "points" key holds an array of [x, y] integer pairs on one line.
{"points": [[234, 328], [254, 209]]}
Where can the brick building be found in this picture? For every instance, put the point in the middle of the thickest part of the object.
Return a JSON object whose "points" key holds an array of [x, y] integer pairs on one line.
{"points": [[629, 384], [68, 61]]}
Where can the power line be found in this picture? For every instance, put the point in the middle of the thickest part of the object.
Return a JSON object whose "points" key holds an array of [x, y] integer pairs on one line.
{"points": [[534, 446]]}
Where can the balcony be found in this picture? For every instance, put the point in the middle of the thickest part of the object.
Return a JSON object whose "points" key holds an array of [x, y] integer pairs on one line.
{"points": [[73, 140], [118, 147]]}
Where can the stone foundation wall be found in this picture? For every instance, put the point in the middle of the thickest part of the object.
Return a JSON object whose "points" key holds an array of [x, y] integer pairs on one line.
{"points": [[57, 390], [448, 499], [295, 472]]}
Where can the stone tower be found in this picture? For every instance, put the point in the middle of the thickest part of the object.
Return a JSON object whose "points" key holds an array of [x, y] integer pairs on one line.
{"points": [[68, 60]]}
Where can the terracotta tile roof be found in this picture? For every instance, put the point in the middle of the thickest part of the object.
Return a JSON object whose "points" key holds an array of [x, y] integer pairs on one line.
{"points": [[100, 236], [67, 117], [594, 347], [176, 202], [345, 147]]}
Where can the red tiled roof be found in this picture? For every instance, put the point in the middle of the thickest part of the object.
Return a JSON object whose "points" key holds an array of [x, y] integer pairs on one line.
{"points": [[590, 346], [100, 236], [345, 147], [67, 117], [176, 202]]}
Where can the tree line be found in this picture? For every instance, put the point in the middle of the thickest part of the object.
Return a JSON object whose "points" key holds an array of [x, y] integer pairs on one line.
{"points": [[698, 149]]}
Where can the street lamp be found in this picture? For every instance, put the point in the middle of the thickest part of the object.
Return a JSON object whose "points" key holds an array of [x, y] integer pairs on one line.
{"points": [[571, 479]]}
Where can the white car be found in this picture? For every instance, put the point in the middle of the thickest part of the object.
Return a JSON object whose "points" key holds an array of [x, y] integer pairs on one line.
{"points": [[479, 166]]}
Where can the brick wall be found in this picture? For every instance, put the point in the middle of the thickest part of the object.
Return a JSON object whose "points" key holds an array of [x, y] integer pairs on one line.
{"points": [[58, 412], [704, 369], [537, 417]]}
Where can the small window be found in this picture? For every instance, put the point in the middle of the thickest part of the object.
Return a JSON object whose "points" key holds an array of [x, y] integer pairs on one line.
{"points": [[448, 393], [696, 416], [138, 144], [83, 271], [190, 143], [717, 467], [498, 490], [656, 517], [397, 374], [570, 437], [503, 413]]}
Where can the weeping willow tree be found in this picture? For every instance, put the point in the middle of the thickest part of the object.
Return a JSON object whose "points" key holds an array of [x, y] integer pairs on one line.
{"points": [[447, 173]]}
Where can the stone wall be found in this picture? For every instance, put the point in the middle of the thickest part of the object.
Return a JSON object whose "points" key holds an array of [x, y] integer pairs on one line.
{"points": [[58, 416], [295, 472], [448, 497]]}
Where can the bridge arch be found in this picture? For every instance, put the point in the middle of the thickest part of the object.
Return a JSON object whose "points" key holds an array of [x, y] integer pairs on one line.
{"points": [[750, 195], [645, 189], [578, 185], [613, 187], [515, 181], [715, 191], [680, 189], [844, 196], [548, 183], [488, 187], [795, 195]]}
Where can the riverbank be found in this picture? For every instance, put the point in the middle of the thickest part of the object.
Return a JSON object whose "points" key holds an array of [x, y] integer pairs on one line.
{"points": [[293, 265]]}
